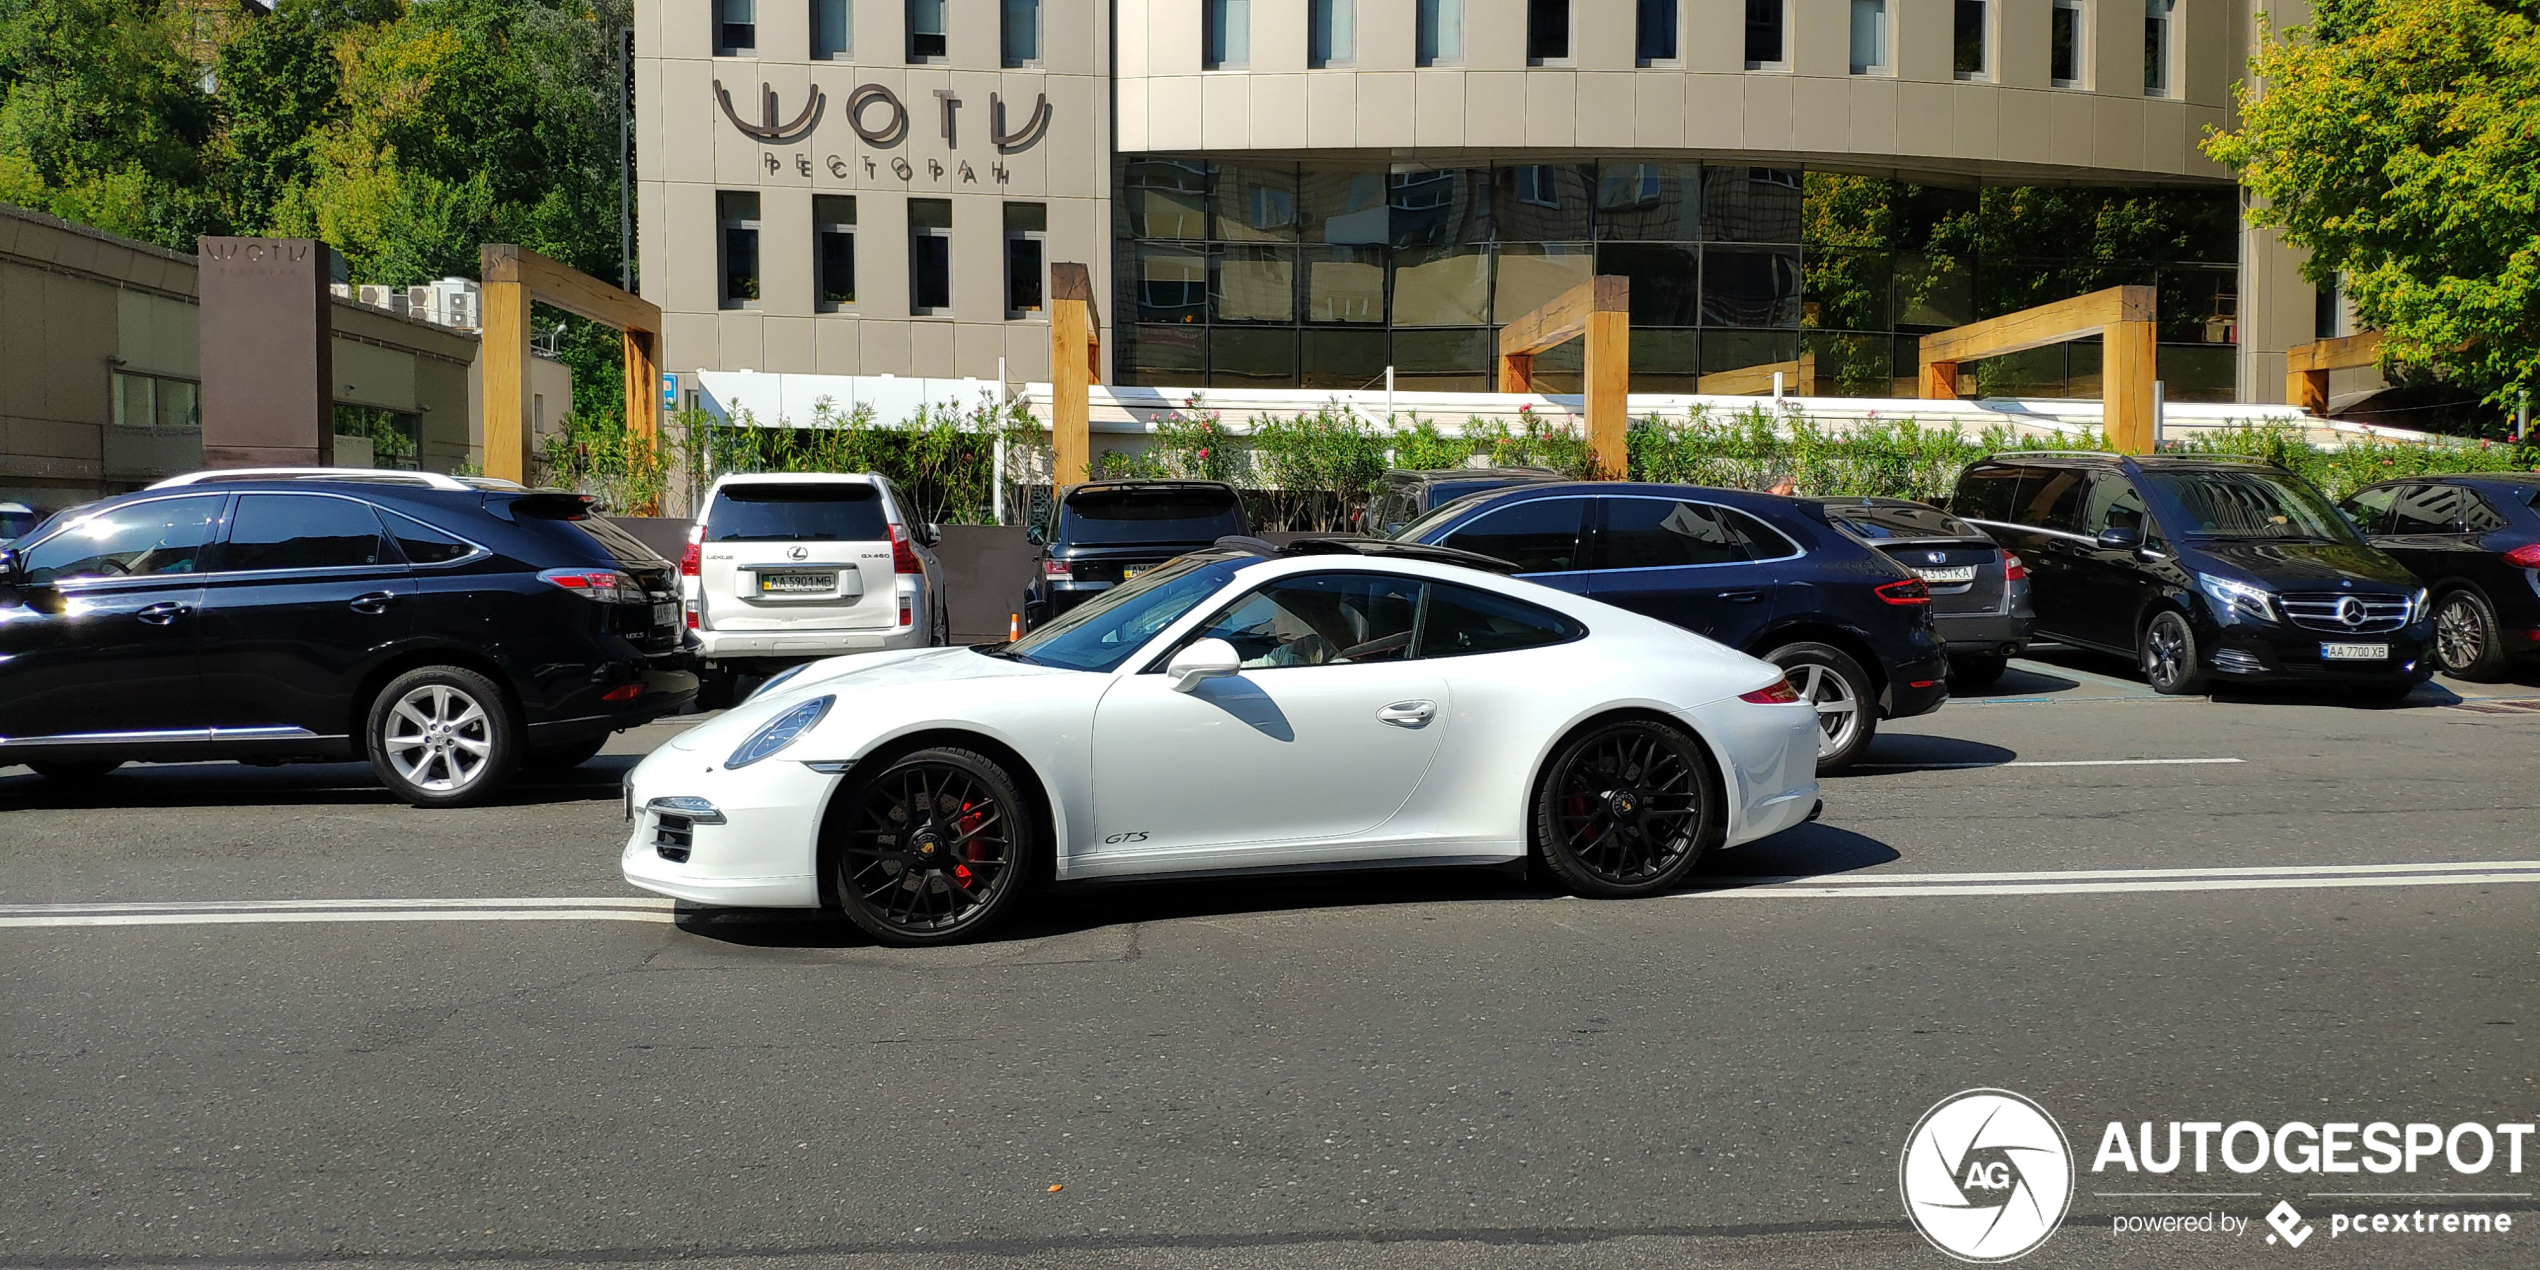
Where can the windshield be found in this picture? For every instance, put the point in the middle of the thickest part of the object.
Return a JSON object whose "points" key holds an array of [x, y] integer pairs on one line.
{"points": [[1117, 516], [1438, 515], [1104, 631], [819, 511], [2252, 504]]}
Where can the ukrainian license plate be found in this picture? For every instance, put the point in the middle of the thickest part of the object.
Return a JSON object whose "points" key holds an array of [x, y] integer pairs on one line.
{"points": [[666, 613], [2354, 652], [797, 583], [1949, 577], [1126, 574]]}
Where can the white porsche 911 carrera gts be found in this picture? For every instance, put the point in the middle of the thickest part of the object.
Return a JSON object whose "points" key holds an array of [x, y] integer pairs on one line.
{"points": [[1330, 704]]}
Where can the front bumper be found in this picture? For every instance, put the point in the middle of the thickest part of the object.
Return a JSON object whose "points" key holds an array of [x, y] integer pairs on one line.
{"points": [[765, 853], [2292, 654]]}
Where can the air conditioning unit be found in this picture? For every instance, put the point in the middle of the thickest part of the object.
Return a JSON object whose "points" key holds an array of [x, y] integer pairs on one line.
{"points": [[390, 298]]}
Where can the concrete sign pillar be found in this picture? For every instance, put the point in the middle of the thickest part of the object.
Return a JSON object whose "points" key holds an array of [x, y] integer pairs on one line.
{"points": [[268, 352]]}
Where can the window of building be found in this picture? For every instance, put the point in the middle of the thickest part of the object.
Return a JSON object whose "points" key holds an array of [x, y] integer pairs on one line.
{"points": [[735, 28], [736, 224], [1440, 34], [832, 29], [1869, 37], [1547, 31], [1970, 39], [1026, 276], [833, 241], [151, 401], [928, 37], [2065, 34], [1765, 36], [929, 256], [2327, 314], [1226, 37], [1022, 33], [2156, 46], [1331, 32], [1654, 33]]}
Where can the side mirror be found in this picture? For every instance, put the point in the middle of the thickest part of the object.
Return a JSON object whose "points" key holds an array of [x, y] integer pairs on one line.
{"points": [[1035, 537], [1207, 659], [934, 533], [2120, 538], [8, 564]]}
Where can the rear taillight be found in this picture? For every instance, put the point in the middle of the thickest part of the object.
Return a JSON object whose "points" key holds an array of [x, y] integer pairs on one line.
{"points": [[1059, 569], [604, 586], [907, 612], [1905, 591], [2012, 569], [2526, 556], [1779, 694], [689, 561], [693, 623], [903, 554]]}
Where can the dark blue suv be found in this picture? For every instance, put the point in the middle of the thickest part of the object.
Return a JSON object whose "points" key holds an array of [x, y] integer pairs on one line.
{"points": [[1767, 575]]}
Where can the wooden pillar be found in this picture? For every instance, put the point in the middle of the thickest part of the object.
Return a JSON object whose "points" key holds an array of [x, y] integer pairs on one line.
{"points": [[1072, 373], [2130, 351], [1516, 372], [504, 349], [643, 385], [2307, 389], [1940, 381], [1607, 369]]}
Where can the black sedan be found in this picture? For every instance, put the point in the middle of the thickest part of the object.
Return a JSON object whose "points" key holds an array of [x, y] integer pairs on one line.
{"points": [[1979, 591], [2475, 543]]}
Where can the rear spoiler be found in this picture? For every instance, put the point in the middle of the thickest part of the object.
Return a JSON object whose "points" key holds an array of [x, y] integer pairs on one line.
{"points": [[544, 504]]}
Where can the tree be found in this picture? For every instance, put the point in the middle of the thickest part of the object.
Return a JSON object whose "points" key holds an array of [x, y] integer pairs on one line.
{"points": [[2395, 141], [103, 115]]}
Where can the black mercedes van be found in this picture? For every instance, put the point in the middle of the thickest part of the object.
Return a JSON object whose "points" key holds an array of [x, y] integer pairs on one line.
{"points": [[2203, 569]]}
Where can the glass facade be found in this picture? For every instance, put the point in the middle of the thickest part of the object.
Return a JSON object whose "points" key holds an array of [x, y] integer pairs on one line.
{"points": [[1321, 274]]}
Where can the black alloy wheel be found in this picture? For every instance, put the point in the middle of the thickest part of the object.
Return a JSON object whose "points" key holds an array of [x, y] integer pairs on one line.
{"points": [[2467, 644], [933, 848], [1625, 810], [2171, 660]]}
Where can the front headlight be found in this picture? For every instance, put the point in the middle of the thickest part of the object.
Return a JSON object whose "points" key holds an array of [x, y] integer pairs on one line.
{"points": [[2416, 606], [2237, 598], [780, 732]]}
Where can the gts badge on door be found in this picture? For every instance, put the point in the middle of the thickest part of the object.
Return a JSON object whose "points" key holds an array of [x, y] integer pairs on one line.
{"points": [[1119, 838]]}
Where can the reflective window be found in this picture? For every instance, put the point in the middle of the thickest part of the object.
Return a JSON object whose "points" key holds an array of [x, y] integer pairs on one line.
{"points": [[814, 511], [1547, 30], [1103, 632], [1322, 619], [301, 531], [2113, 503], [1988, 492], [1439, 33], [1461, 620], [928, 37], [423, 544], [1252, 284], [2477, 517], [2252, 504], [2428, 509], [1538, 536], [2053, 500], [164, 535], [832, 29], [1659, 533], [2370, 509], [1021, 34]]}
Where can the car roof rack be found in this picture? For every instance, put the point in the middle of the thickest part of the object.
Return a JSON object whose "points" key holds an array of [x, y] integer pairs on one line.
{"points": [[1373, 548], [368, 475]]}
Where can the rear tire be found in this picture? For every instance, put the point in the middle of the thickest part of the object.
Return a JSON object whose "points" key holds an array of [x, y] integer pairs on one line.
{"points": [[933, 849], [1981, 671], [564, 758], [2467, 643], [442, 736], [75, 771], [2170, 659], [1625, 810], [1847, 702], [715, 689]]}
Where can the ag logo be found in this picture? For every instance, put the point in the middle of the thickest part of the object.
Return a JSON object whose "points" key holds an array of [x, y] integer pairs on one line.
{"points": [[1986, 1175]]}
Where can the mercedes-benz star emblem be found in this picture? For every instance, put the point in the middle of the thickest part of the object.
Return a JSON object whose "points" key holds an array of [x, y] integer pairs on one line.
{"points": [[2350, 611]]}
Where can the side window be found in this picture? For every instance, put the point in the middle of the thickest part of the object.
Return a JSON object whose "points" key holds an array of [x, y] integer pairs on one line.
{"points": [[2476, 516], [1763, 542], [1658, 533], [1541, 536], [1987, 492], [1460, 620], [301, 531], [2370, 509], [1321, 619], [163, 535], [424, 544], [2113, 503], [2053, 501], [2426, 509]]}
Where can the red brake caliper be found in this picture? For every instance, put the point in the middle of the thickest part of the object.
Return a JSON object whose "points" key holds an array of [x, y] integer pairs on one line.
{"points": [[964, 824]]}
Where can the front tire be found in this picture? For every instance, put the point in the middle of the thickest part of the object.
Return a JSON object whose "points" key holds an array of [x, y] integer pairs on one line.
{"points": [[1847, 703], [933, 849], [564, 758], [76, 771], [2171, 662], [443, 736], [2467, 643], [1625, 810], [1979, 671]]}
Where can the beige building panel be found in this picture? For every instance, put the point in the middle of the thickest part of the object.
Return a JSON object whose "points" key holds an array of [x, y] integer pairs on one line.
{"points": [[691, 341], [978, 257], [1873, 101], [881, 258], [835, 350], [978, 345], [1919, 39], [784, 31], [1975, 118], [1552, 109], [1715, 111], [75, 319], [689, 120], [373, 376], [157, 335], [1605, 109], [784, 251], [1820, 114], [51, 439], [881, 32], [1602, 36], [930, 349], [1711, 35], [689, 277], [2115, 51], [1331, 110], [1226, 112], [2074, 118], [1438, 107], [1494, 35], [1819, 38], [1071, 37], [1078, 163], [1173, 113], [1658, 110], [1388, 38], [2024, 128], [1279, 110], [1173, 37], [2020, 45], [686, 28], [741, 339], [1925, 121], [2165, 136], [1768, 112], [1494, 103], [2120, 132], [1129, 42], [1278, 36], [1385, 109], [1027, 353], [885, 347], [791, 346], [1132, 123], [2210, 63]]}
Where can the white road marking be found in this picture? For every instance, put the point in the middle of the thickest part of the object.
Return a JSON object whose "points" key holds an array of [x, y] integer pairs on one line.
{"points": [[2056, 670], [556, 908], [2070, 762], [2134, 881]]}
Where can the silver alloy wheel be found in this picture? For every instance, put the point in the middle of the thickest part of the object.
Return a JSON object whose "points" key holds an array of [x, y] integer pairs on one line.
{"points": [[2460, 638], [439, 739], [1838, 708], [2163, 651]]}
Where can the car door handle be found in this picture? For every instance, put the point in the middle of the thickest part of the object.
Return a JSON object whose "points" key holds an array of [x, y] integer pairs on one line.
{"points": [[1408, 714], [161, 614], [374, 602], [1741, 597]]}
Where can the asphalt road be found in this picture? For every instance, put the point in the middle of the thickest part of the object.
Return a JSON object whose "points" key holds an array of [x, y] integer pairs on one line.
{"points": [[1434, 1069]]}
